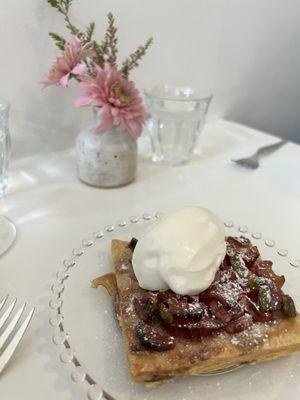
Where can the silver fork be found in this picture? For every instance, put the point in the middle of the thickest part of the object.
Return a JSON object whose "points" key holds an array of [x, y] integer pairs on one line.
{"points": [[10, 336], [253, 161]]}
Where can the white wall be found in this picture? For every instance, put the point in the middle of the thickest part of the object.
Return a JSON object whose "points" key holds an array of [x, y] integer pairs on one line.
{"points": [[246, 52]]}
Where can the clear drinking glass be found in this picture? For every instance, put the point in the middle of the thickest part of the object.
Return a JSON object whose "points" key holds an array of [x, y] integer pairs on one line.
{"points": [[7, 228], [176, 118]]}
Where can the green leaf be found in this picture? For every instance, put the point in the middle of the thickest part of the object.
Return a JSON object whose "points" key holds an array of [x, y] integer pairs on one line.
{"points": [[53, 3], [72, 28], [67, 4], [59, 40], [110, 17], [90, 30], [133, 60], [149, 42]]}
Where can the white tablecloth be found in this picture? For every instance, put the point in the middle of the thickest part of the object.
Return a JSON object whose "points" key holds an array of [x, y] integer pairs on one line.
{"points": [[53, 211]]}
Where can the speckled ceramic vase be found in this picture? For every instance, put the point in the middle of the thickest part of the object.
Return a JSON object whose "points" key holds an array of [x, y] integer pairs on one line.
{"points": [[106, 160]]}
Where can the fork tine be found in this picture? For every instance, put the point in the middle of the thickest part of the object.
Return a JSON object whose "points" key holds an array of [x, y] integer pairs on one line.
{"points": [[3, 302], [8, 330], [8, 352], [7, 313], [246, 163]]}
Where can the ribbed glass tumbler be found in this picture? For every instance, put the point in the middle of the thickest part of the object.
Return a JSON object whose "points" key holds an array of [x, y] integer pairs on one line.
{"points": [[176, 116]]}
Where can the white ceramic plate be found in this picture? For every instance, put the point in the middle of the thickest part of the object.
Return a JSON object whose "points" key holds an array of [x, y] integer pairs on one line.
{"points": [[88, 339]]}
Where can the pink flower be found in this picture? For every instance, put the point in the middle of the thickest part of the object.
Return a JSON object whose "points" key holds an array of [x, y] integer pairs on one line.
{"points": [[68, 63], [120, 101]]}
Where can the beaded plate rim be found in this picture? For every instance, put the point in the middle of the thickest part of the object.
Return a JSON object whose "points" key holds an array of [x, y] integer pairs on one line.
{"points": [[56, 320]]}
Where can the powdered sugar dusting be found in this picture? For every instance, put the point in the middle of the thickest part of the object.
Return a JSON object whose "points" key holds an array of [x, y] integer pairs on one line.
{"points": [[252, 336], [125, 266], [130, 309]]}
